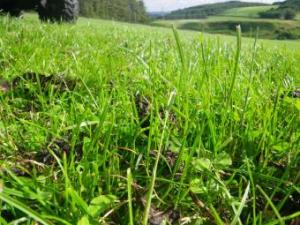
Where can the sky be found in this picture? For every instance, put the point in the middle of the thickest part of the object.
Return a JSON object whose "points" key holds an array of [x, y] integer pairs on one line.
{"points": [[168, 5]]}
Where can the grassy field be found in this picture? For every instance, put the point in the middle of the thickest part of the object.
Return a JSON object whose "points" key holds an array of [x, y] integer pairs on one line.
{"points": [[268, 28], [249, 12], [112, 123]]}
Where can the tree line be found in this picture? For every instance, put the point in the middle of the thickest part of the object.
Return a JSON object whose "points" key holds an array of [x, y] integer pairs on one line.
{"points": [[286, 10], [124, 10]]}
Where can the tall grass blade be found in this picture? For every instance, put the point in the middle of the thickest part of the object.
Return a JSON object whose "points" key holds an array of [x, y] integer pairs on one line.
{"points": [[237, 61], [179, 47], [216, 215], [289, 217], [129, 190], [181, 54], [253, 191], [154, 173], [242, 205], [280, 219], [22, 207]]}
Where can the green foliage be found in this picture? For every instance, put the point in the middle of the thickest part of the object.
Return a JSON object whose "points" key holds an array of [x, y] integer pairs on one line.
{"points": [[287, 10], [289, 14], [286, 13], [126, 10], [294, 4]]}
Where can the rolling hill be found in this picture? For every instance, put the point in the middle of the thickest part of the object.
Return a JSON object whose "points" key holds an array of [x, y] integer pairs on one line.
{"points": [[222, 18], [267, 28], [203, 11], [286, 10], [250, 12], [294, 4]]}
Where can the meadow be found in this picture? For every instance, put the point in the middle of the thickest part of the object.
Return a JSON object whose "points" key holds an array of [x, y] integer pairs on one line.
{"points": [[113, 123], [267, 28], [249, 12]]}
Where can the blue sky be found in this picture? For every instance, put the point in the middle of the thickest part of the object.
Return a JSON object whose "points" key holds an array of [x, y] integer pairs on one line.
{"points": [[167, 5]]}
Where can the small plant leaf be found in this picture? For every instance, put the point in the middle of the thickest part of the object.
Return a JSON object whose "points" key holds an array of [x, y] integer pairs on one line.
{"points": [[223, 160], [201, 164], [1, 186], [297, 105], [84, 221], [22, 207], [197, 186], [281, 147], [100, 204]]}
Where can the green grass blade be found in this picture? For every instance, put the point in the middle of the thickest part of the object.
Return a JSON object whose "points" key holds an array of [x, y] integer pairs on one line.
{"points": [[289, 217], [280, 219], [216, 215], [181, 55], [253, 191], [179, 47], [22, 207], [242, 205], [129, 190], [154, 173], [237, 61], [3, 221]]}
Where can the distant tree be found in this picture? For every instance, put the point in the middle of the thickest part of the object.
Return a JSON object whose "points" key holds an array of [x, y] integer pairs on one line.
{"points": [[286, 10], [271, 14], [142, 14], [125, 10], [289, 14]]}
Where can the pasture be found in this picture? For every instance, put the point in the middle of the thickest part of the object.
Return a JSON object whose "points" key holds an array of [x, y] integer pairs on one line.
{"points": [[113, 123]]}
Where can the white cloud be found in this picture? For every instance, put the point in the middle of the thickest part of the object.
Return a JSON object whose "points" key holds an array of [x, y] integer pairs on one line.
{"points": [[167, 5]]}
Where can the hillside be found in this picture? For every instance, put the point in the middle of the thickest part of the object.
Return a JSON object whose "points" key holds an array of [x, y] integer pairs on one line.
{"points": [[249, 12], [293, 4], [203, 11], [286, 10], [267, 28]]}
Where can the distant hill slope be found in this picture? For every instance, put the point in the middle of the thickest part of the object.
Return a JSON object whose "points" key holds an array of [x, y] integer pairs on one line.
{"points": [[293, 4], [266, 28], [286, 10], [249, 12], [203, 11]]}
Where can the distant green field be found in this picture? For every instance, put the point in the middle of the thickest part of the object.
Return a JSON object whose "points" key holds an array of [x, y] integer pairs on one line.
{"points": [[228, 18], [268, 28], [249, 12]]}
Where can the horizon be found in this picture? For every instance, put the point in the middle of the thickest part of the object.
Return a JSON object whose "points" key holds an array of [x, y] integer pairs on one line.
{"points": [[170, 5]]}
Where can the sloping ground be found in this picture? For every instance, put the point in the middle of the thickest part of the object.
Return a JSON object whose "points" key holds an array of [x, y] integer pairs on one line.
{"points": [[267, 28], [209, 130], [249, 12], [203, 11], [294, 4]]}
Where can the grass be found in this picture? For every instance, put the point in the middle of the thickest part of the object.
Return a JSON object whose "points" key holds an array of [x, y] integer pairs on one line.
{"points": [[249, 12], [146, 124]]}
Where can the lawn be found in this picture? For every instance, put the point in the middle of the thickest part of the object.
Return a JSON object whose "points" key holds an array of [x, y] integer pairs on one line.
{"points": [[112, 123]]}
